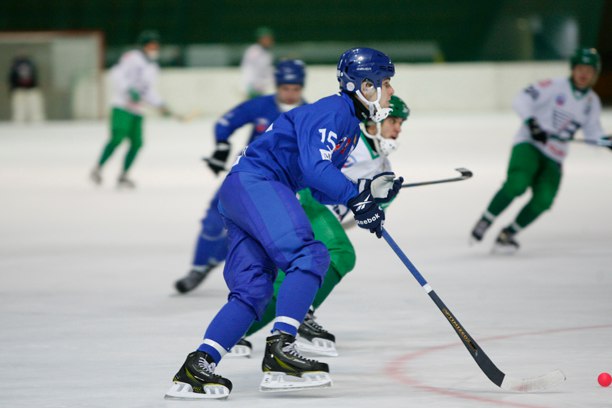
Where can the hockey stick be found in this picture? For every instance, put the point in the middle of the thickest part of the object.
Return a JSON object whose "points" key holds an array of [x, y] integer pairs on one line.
{"points": [[484, 362], [465, 174], [601, 142]]}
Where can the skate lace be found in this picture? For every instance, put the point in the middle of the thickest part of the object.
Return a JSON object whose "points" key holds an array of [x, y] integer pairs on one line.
{"points": [[206, 366], [310, 320], [291, 349]]}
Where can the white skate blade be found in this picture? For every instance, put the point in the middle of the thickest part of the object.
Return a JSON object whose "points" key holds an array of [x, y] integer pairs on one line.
{"points": [[533, 384], [317, 347], [183, 391], [274, 381], [239, 351]]}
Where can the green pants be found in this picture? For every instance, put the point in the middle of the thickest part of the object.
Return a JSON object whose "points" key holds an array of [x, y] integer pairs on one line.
{"points": [[328, 230], [528, 168], [124, 125]]}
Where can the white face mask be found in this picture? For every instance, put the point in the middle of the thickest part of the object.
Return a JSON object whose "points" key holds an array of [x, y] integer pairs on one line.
{"points": [[383, 146], [152, 55]]}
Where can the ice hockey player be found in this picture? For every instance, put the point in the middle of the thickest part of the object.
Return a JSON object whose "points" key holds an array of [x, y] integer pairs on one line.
{"points": [[257, 64], [551, 112], [211, 245], [134, 84], [369, 158], [268, 229]]}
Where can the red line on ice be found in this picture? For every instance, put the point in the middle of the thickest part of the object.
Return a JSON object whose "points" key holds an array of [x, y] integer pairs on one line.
{"points": [[394, 368]]}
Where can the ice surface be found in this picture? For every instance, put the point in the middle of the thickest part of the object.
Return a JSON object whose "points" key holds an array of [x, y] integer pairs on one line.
{"points": [[89, 316]]}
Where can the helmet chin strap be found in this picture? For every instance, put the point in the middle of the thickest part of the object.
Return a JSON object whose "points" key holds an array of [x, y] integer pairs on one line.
{"points": [[377, 112]]}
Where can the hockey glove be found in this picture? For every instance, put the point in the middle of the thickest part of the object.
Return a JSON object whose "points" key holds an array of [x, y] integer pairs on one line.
{"points": [[366, 210], [536, 131], [219, 157], [134, 95], [385, 186]]}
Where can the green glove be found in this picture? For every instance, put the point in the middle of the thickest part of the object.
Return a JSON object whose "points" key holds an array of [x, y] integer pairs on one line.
{"points": [[134, 95]]}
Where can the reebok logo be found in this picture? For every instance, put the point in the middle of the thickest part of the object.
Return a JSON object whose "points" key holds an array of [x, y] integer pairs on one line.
{"points": [[362, 204], [368, 220]]}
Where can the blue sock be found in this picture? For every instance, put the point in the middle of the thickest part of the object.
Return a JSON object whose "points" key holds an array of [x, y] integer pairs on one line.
{"points": [[227, 327], [295, 296]]}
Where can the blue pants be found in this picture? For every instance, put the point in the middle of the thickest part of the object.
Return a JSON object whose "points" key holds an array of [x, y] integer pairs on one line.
{"points": [[211, 246], [267, 230]]}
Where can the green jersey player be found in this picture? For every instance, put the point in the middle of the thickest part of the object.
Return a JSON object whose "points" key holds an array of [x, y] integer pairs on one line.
{"points": [[133, 80], [551, 112]]}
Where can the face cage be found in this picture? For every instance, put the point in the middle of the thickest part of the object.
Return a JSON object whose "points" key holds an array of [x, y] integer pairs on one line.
{"points": [[383, 146]]}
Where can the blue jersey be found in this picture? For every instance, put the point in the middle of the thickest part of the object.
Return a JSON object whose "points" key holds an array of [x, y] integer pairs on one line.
{"points": [[261, 112], [306, 146]]}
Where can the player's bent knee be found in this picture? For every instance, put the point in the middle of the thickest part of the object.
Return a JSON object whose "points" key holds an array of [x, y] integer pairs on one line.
{"points": [[256, 297], [313, 258]]}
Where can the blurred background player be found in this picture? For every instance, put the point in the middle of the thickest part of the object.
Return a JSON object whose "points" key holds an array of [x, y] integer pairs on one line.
{"points": [[134, 84], [268, 229], [551, 111], [370, 157], [257, 64], [211, 246], [27, 102]]}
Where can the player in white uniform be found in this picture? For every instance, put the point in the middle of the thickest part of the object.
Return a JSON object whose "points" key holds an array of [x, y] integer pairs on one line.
{"points": [[257, 64], [134, 84], [551, 111]]}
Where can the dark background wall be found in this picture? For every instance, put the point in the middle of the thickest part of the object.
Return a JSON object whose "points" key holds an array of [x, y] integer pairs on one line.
{"points": [[461, 28]]}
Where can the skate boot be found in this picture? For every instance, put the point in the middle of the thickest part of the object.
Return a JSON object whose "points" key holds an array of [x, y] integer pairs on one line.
{"points": [[314, 339], [286, 370], [480, 229], [505, 242], [196, 380], [242, 349], [125, 182], [193, 279], [96, 176]]}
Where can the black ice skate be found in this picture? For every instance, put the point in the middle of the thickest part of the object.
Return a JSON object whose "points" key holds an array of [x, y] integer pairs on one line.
{"points": [[125, 182], [286, 370], [505, 242], [193, 279], [314, 339], [480, 229], [242, 349], [196, 380]]}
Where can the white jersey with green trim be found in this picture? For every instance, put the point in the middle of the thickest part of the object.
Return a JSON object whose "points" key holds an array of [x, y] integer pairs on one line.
{"points": [[134, 72], [363, 162], [561, 110], [257, 69]]}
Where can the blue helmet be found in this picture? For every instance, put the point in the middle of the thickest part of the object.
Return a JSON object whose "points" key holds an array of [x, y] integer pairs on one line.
{"points": [[359, 64], [290, 72]]}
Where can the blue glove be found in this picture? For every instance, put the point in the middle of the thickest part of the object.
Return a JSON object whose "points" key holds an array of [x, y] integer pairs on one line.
{"points": [[366, 210]]}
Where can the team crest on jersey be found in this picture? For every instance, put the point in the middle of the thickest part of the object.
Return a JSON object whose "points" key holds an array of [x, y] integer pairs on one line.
{"points": [[560, 100], [261, 124]]}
